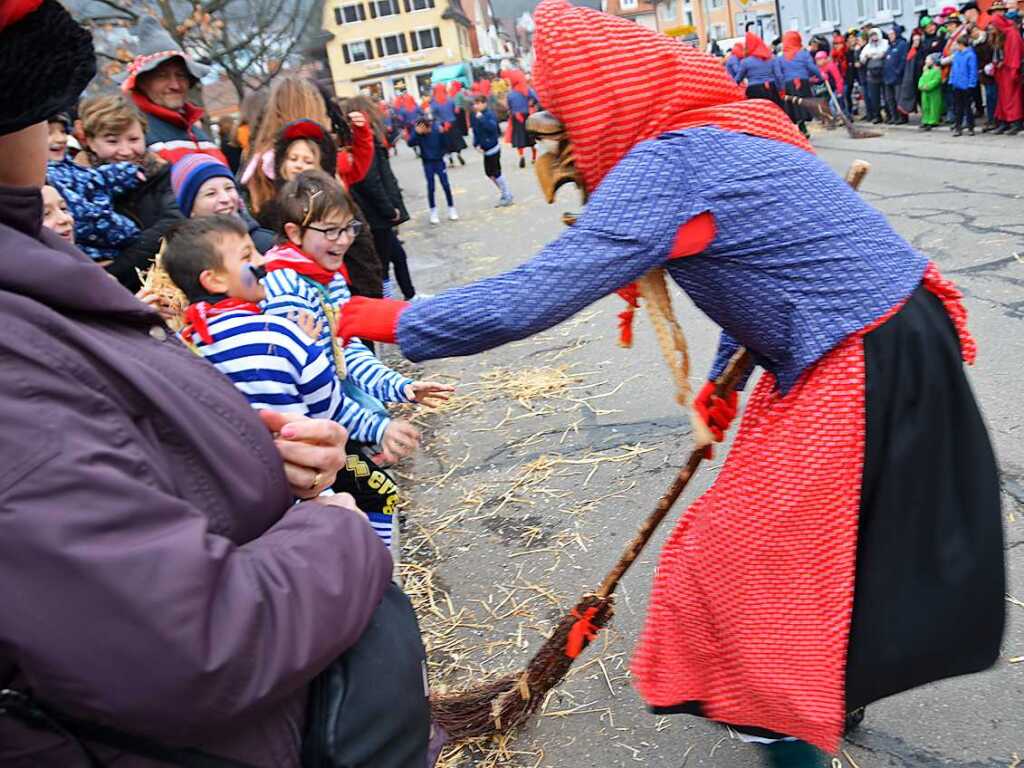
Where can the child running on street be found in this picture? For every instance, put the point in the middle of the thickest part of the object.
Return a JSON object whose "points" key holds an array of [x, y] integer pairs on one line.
{"points": [[485, 138], [431, 142]]}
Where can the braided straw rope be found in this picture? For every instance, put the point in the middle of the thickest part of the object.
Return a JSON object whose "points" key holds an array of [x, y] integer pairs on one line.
{"points": [[654, 291]]}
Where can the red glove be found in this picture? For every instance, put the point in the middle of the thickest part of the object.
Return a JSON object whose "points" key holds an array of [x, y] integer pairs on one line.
{"points": [[717, 412], [445, 126], [370, 319]]}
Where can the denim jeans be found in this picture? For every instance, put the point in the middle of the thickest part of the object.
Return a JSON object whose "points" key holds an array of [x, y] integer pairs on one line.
{"points": [[991, 99]]}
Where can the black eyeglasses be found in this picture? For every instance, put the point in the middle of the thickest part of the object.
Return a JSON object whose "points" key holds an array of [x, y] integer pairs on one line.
{"points": [[353, 228]]}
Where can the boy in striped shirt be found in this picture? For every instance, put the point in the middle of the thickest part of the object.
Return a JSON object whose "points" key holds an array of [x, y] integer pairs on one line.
{"points": [[274, 361]]}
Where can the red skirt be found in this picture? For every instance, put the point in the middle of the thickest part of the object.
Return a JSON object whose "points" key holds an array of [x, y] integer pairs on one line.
{"points": [[750, 612]]}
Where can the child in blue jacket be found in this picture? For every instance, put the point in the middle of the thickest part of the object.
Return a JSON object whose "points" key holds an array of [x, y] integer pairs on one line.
{"points": [[963, 78], [100, 231], [485, 138], [428, 137]]}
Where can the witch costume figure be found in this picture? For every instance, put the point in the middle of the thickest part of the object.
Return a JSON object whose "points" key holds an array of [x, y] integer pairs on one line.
{"points": [[851, 546]]}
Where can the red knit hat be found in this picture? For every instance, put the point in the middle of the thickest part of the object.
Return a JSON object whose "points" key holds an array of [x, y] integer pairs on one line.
{"points": [[615, 84]]}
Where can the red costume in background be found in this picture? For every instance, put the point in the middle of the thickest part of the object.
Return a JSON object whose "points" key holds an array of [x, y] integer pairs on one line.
{"points": [[1009, 108]]}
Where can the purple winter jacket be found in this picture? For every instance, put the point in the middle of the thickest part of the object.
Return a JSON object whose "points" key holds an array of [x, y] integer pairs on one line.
{"points": [[154, 575]]}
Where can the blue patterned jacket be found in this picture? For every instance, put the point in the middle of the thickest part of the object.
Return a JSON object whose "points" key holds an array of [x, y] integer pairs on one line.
{"points": [[100, 232], [783, 276]]}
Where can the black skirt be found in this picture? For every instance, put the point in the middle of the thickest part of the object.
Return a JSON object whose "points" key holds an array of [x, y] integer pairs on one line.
{"points": [[797, 113], [763, 91], [453, 141], [930, 581], [520, 137]]}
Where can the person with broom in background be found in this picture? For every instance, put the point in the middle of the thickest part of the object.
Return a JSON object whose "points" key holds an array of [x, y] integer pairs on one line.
{"points": [[854, 531]]}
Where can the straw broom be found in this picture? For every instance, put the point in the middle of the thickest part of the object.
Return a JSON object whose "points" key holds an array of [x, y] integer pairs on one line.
{"points": [[502, 704]]}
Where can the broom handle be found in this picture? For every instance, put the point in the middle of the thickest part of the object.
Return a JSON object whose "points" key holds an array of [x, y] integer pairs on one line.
{"points": [[738, 367]]}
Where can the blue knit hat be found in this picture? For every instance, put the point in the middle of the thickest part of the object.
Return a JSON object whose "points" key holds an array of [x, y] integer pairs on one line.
{"points": [[188, 175]]}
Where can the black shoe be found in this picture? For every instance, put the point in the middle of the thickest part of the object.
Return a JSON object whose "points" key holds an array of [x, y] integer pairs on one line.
{"points": [[522, 162], [927, 127], [1003, 128], [970, 131], [853, 720], [877, 121], [463, 162], [957, 133], [1017, 128], [989, 127]]}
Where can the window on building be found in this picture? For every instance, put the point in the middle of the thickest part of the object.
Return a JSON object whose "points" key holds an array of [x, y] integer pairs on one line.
{"points": [[379, 8], [715, 4], [829, 10], [391, 45], [627, 5], [418, 5], [350, 14], [887, 5], [862, 9], [357, 50], [806, 14], [463, 37], [668, 10], [719, 32], [425, 38]]}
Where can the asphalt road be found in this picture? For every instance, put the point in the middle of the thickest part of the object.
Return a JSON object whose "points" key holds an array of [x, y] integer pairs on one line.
{"points": [[527, 488]]}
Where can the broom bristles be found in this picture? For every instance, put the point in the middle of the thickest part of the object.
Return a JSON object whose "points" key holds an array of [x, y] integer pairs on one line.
{"points": [[502, 704]]}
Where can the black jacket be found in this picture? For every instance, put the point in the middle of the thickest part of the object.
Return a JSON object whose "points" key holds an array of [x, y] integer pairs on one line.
{"points": [[378, 194], [152, 206]]}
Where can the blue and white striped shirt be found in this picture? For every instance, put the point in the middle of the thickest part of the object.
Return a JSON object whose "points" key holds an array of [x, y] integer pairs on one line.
{"points": [[287, 292], [275, 365]]}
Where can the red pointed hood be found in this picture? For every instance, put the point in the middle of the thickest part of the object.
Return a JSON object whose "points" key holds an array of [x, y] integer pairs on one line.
{"points": [[757, 47], [614, 84], [440, 93]]}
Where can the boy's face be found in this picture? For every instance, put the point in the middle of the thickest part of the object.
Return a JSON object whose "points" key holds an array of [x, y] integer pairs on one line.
{"points": [[56, 216], [128, 146], [233, 277], [318, 245], [216, 195], [301, 156], [479, 106], [58, 142]]}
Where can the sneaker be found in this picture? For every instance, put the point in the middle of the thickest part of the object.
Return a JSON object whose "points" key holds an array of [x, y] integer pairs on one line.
{"points": [[970, 131], [453, 215], [434, 218], [504, 202], [522, 162], [957, 133], [420, 297]]}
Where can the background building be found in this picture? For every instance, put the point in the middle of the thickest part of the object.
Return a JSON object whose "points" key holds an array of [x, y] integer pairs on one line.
{"points": [[385, 46], [720, 20], [822, 16]]}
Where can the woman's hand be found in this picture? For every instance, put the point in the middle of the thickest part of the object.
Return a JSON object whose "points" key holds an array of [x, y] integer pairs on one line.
{"points": [[344, 500], [400, 439], [358, 119], [429, 393], [159, 303], [313, 450]]}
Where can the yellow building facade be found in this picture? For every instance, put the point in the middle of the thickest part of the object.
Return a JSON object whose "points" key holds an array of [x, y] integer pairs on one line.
{"points": [[386, 46]]}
